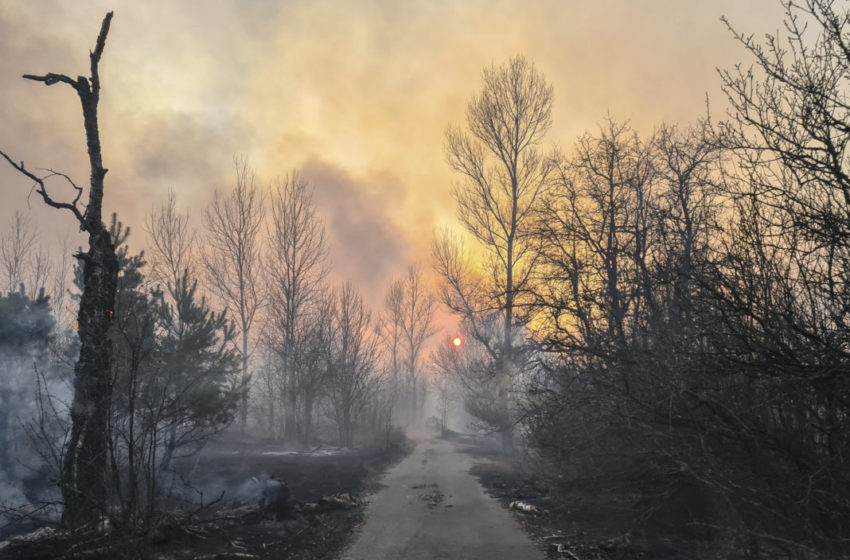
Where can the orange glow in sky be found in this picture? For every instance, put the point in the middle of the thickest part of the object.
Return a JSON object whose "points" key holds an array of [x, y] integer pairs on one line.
{"points": [[457, 342], [355, 95]]}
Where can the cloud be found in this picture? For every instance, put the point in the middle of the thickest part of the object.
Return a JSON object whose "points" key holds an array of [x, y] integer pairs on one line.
{"points": [[366, 247]]}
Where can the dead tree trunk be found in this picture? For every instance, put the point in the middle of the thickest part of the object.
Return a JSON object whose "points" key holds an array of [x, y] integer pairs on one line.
{"points": [[84, 465]]}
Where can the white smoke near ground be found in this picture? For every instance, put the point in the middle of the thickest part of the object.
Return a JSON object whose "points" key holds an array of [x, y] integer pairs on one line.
{"points": [[33, 407]]}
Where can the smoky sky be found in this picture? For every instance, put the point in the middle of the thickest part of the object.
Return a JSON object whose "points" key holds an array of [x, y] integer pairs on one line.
{"points": [[366, 247], [357, 93]]}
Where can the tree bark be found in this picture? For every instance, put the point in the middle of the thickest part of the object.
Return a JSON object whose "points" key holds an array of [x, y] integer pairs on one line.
{"points": [[84, 464]]}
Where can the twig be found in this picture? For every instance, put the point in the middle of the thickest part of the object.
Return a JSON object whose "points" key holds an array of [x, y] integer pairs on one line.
{"points": [[194, 533], [72, 207], [207, 506]]}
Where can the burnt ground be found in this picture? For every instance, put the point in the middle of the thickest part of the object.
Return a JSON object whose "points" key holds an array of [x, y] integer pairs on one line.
{"points": [[328, 491], [588, 520]]}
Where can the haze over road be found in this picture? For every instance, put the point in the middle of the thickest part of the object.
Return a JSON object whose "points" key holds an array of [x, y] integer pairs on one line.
{"points": [[432, 508]]}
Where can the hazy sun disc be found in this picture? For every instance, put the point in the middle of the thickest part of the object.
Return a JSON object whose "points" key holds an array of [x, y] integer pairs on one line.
{"points": [[457, 341]]}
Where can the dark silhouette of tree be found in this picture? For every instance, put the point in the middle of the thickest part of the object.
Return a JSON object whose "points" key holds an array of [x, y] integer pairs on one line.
{"points": [[782, 295], [84, 464], [503, 173], [175, 383]]}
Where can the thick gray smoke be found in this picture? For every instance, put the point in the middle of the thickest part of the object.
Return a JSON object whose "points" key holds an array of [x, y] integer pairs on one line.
{"points": [[34, 392], [32, 420]]}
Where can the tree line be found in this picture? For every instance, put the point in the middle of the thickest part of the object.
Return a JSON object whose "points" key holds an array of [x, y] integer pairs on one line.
{"points": [[669, 309], [235, 321], [666, 307]]}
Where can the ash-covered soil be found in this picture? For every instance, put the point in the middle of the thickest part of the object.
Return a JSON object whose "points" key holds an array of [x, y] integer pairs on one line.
{"points": [[326, 491], [555, 523], [583, 521]]}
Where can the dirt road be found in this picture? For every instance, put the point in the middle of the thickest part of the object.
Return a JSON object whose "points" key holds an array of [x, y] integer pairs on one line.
{"points": [[432, 508]]}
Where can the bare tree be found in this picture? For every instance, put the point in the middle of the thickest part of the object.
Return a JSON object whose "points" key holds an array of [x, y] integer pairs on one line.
{"points": [[172, 259], [232, 258], [447, 365], [315, 359], [40, 273], [595, 232], [487, 385], [688, 206], [406, 325], [172, 244], [390, 327], [84, 464], [417, 318], [355, 355], [297, 265], [782, 293], [624, 232], [16, 247], [27, 265], [503, 175], [59, 290]]}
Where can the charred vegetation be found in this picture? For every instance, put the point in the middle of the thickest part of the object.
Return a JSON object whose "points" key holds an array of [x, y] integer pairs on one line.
{"points": [[647, 351]]}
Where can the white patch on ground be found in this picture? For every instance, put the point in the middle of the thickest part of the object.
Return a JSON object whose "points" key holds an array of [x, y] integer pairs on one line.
{"points": [[322, 452], [40, 533]]}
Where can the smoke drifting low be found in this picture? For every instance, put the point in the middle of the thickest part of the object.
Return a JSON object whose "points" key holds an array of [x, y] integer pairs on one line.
{"points": [[366, 247]]}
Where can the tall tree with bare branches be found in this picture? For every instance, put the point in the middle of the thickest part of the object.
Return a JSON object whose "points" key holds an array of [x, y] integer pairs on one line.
{"points": [[172, 245], [232, 262], [354, 356], [406, 324], [84, 463], [417, 318], [390, 328], [503, 173], [297, 265]]}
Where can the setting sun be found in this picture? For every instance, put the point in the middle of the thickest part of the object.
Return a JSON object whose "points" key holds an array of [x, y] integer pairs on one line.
{"points": [[457, 342]]}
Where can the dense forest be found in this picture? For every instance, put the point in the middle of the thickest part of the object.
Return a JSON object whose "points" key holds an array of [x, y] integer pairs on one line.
{"points": [[664, 311]]}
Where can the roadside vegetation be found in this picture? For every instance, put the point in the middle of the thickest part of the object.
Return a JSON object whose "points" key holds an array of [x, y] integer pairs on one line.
{"points": [[662, 316]]}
